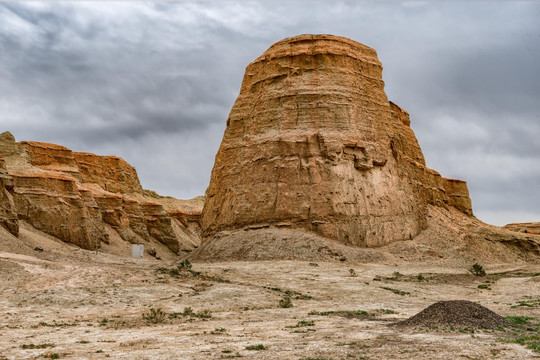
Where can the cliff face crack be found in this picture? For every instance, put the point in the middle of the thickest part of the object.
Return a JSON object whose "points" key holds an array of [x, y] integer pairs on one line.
{"points": [[319, 137]]}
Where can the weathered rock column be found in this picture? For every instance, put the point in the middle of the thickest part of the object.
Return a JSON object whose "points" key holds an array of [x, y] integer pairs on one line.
{"points": [[312, 142]]}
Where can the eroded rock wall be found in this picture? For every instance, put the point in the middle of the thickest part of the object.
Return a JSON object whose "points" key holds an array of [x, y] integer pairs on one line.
{"points": [[8, 216], [75, 196], [54, 205], [111, 173], [312, 142], [525, 228]]}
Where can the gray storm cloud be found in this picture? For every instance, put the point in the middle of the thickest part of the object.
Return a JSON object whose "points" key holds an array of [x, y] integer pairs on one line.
{"points": [[154, 82]]}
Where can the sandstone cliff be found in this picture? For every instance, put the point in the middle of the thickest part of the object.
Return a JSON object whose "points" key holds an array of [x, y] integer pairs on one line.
{"points": [[314, 151], [312, 142], [80, 198], [526, 228], [8, 217]]}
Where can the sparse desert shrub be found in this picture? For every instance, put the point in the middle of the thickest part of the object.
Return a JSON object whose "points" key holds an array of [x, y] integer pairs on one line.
{"points": [[218, 331], [477, 270], [203, 314], [396, 291], [188, 312], [184, 265], [39, 346], [155, 316], [51, 355], [285, 302], [302, 323], [232, 356], [256, 347], [352, 272], [354, 313], [386, 311]]}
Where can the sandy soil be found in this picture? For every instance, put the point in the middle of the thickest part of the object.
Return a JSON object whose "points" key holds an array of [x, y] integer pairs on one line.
{"points": [[90, 305]]}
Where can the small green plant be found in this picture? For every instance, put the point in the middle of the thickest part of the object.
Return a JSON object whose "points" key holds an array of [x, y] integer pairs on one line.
{"points": [[39, 346], [386, 311], [285, 302], [477, 270], [218, 331], [520, 320], [352, 272], [531, 342], [396, 291], [203, 314], [188, 312], [527, 303], [257, 347], [155, 316], [237, 355], [290, 293], [184, 265], [50, 355], [56, 324], [104, 322], [302, 323], [420, 277], [355, 313], [484, 286]]}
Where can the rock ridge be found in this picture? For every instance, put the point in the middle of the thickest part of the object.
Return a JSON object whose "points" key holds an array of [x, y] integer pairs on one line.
{"points": [[80, 198]]}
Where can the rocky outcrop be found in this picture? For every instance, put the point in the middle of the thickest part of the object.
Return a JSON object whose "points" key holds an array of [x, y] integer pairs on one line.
{"points": [[111, 173], [8, 216], [54, 205], [313, 143], [76, 196], [50, 157], [526, 228]]}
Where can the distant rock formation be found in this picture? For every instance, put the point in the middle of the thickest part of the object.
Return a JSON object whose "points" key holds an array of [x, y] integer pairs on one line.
{"points": [[8, 216], [526, 228], [76, 196], [313, 143]]}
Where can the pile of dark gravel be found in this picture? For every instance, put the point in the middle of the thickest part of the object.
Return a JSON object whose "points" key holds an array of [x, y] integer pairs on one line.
{"points": [[456, 314]]}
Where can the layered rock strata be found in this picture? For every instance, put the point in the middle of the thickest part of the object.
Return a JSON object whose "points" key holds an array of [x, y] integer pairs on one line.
{"points": [[76, 196], [313, 143], [8, 216], [526, 228]]}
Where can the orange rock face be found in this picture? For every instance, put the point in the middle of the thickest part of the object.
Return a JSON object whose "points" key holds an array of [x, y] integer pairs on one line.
{"points": [[312, 142], [77, 196], [526, 228], [112, 173], [54, 205], [49, 157]]}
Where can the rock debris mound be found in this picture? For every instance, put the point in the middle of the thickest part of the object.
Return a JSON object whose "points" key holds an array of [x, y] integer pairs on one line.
{"points": [[457, 314]]}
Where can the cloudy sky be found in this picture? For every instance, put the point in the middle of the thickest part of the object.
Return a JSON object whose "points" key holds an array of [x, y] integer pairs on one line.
{"points": [[154, 82]]}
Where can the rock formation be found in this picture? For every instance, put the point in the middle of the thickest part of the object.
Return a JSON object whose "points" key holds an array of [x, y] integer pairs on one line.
{"points": [[8, 217], [526, 228], [312, 142], [77, 197]]}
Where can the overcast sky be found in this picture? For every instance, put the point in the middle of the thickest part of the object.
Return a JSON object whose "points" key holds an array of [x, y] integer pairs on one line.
{"points": [[154, 82]]}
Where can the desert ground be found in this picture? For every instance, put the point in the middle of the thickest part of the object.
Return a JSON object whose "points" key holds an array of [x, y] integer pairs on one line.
{"points": [[65, 302]]}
